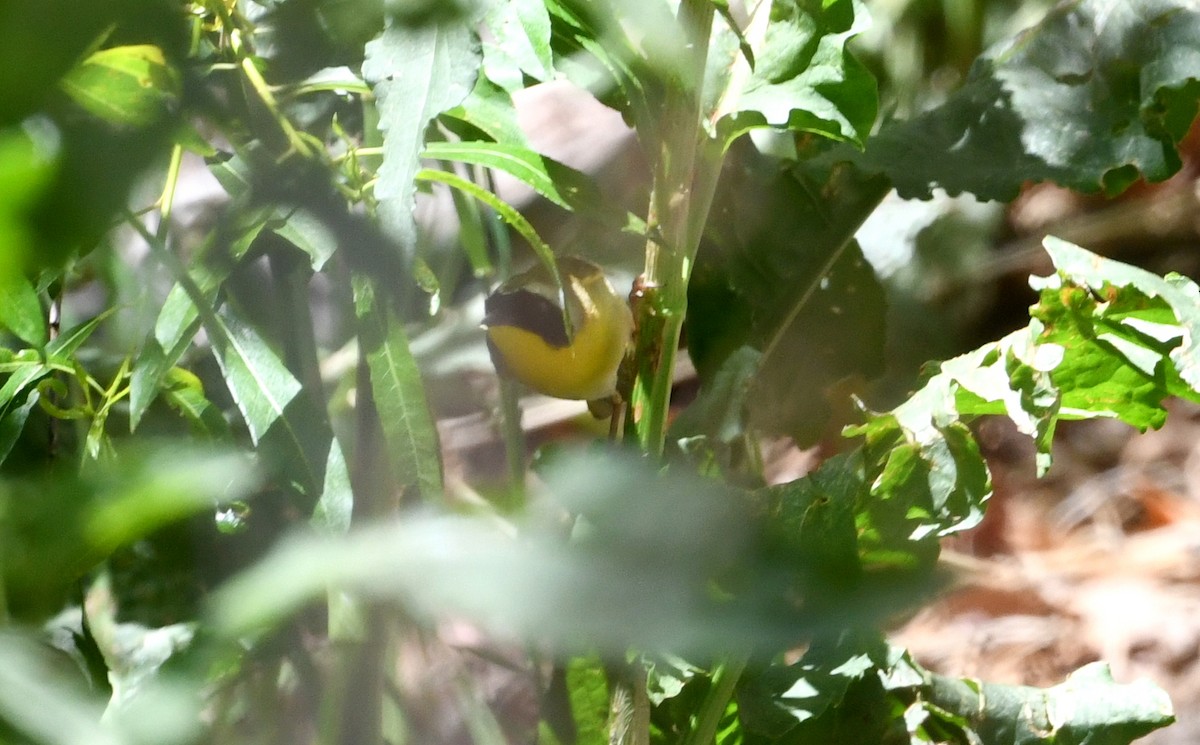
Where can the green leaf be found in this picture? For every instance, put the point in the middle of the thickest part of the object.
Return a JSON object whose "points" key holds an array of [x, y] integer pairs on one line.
{"points": [[778, 272], [1133, 315], [179, 319], [416, 74], [490, 110], [63, 347], [507, 212], [21, 310], [184, 393], [12, 421], [832, 694], [1089, 707], [131, 85], [399, 395], [562, 185], [803, 79], [1092, 97], [308, 233], [333, 511], [520, 43], [259, 382]]}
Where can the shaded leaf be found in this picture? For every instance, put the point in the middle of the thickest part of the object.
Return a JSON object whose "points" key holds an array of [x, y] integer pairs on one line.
{"points": [[1093, 97], [779, 272], [399, 395]]}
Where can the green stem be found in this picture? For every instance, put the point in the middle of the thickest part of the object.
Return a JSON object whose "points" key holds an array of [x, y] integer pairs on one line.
{"points": [[677, 214], [712, 709], [166, 202]]}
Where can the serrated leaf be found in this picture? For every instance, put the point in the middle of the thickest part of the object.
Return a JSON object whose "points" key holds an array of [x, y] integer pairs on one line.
{"points": [[1089, 707], [131, 85], [1093, 97], [804, 79], [1180, 333], [416, 74], [832, 694], [399, 395]]}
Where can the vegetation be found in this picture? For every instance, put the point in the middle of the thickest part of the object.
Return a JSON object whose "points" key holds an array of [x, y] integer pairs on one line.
{"points": [[224, 514]]}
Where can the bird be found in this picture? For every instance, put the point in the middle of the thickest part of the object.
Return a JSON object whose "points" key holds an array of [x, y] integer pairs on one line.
{"points": [[573, 352]]}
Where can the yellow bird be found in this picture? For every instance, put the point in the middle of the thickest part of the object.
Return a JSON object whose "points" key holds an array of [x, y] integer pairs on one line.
{"points": [[528, 340]]}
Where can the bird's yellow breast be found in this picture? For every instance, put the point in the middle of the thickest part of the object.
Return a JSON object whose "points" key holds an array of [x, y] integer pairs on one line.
{"points": [[585, 369]]}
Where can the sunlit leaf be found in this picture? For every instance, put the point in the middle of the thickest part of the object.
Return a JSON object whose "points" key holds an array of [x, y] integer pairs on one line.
{"points": [[130, 85], [416, 73], [1089, 707], [804, 79]]}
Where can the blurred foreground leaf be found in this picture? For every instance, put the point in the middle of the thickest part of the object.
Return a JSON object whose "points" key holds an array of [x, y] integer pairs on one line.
{"points": [[55, 527]]}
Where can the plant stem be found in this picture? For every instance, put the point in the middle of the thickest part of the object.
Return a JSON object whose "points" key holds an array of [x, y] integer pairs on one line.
{"points": [[712, 709], [677, 217]]}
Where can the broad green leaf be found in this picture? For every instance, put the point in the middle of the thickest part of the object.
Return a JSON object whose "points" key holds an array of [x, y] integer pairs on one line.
{"points": [[27, 166], [1089, 707], [1093, 97], [607, 48], [131, 85], [1176, 325], [416, 73], [834, 693], [399, 395], [803, 79], [1107, 340], [809, 530], [779, 272], [178, 319], [21, 310], [54, 33]]}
